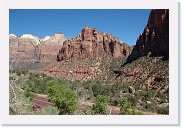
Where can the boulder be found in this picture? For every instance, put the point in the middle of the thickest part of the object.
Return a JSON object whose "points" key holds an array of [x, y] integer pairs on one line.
{"points": [[163, 105], [131, 89], [149, 102], [143, 87]]}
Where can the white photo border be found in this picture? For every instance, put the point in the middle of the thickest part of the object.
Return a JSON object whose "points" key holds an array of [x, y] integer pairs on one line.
{"points": [[171, 119]]}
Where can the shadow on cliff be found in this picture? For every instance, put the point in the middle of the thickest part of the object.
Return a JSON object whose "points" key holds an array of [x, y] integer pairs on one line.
{"points": [[154, 40], [135, 54]]}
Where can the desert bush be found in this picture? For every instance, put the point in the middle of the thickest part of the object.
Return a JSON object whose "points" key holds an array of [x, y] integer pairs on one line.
{"points": [[97, 88], [133, 111], [49, 110], [127, 108], [87, 110], [28, 93], [100, 105], [133, 100], [18, 72], [124, 105]]}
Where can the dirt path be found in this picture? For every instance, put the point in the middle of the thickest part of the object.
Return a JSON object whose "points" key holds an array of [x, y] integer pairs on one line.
{"points": [[42, 101]]}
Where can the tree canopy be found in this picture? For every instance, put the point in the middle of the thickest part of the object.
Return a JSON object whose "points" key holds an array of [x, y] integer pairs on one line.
{"points": [[64, 98]]}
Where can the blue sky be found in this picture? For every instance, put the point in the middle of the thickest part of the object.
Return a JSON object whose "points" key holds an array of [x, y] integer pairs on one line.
{"points": [[124, 24]]}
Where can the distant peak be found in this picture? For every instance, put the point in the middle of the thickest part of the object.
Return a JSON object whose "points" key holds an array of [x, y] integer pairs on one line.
{"points": [[46, 38], [30, 36], [58, 33], [27, 35], [12, 35]]}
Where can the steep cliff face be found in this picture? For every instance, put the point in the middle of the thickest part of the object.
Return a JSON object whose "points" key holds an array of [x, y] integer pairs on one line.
{"points": [[154, 41], [22, 49], [90, 43], [29, 48]]}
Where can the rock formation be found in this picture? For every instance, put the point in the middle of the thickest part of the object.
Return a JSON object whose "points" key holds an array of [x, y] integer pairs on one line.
{"points": [[90, 43], [154, 40], [56, 38], [29, 48], [29, 36], [22, 49], [11, 36]]}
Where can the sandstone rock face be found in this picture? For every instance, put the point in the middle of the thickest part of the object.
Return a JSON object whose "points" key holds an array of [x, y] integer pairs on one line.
{"points": [[154, 41], [29, 48], [90, 43], [22, 49], [56, 38], [29, 36], [47, 50]]}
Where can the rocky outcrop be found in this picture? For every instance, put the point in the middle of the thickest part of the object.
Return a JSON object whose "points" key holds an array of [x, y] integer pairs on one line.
{"points": [[45, 38], [154, 40], [90, 43], [11, 36], [48, 48], [29, 48], [56, 38], [131, 89], [30, 36]]}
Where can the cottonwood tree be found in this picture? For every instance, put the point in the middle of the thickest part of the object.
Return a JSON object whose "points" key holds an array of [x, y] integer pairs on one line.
{"points": [[63, 97]]}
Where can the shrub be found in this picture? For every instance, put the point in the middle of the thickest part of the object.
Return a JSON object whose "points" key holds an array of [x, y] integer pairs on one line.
{"points": [[133, 100], [28, 93], [97, 88], [25, 72], [124, 105], [64, 98], [133, 111], [49, 110], [100, 105], [87, 110], [18, 72]]}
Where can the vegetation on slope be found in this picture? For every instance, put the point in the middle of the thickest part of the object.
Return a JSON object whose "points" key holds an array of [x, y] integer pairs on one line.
{"points": [[144, 84]]}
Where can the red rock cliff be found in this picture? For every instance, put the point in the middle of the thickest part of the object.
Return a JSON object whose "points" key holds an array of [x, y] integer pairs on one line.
{"points": [[90, 43], [154, 41], [26, 49]]}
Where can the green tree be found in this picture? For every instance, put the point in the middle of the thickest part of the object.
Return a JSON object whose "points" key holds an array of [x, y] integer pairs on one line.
{"points": [[64, 98], [100, 105], [28, 93], [126, 107]]}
